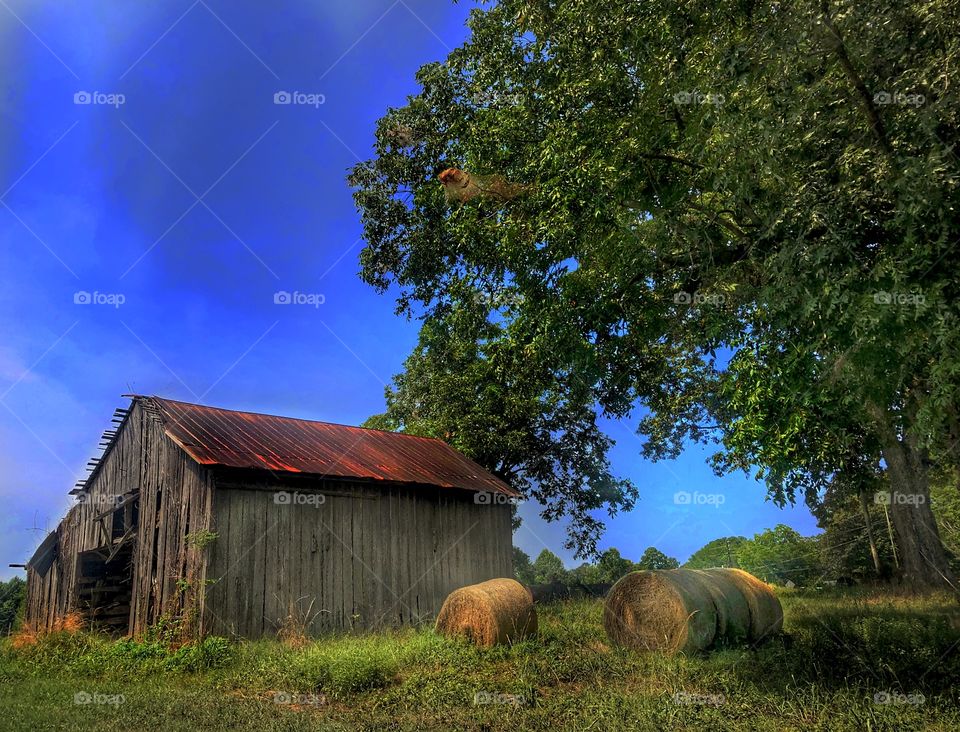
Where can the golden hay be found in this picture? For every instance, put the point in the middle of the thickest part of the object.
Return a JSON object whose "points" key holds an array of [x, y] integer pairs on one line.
{"points": [[492, 612], [669, 611], [766, 614], [733, 611], [684, 610]]}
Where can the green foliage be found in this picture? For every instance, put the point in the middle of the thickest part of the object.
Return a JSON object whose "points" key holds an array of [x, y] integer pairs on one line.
{"points": [[720, 552], [740, 217], [781, 554], [350, 666], [201, 539], [548, 567], [653, 558], [472, 384], [612, 566], [586, 574], [96, 655], [13, 594], [844, 543], [522, 567], [945, 499], [212, 652]]}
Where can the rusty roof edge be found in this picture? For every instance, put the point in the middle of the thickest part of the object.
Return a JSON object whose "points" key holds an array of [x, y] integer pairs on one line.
{"points": [[482, 473], [295, 419]]}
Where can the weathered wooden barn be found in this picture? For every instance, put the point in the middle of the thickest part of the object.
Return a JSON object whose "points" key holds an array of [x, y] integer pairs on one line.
{"points": [[229, 522]]}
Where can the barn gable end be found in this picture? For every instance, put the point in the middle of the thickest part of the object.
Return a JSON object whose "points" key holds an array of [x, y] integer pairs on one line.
{"points": [[124, 544]]}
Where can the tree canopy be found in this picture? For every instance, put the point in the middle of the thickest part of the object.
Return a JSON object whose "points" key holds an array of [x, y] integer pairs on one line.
{"points": [[740, 216], [653, 558], [720, 552]]}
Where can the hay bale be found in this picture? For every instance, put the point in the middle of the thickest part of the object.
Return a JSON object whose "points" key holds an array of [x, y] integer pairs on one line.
{"points": [[492, 612], [685, 610], [662, 610], [766, 614], [733, 610]]}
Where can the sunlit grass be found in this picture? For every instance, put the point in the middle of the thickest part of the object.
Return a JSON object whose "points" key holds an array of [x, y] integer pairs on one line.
{"points": [[842, 648]]}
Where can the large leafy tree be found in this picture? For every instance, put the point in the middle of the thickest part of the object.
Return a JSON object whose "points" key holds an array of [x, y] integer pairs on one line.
{"points": [[720, 552], [469, 383], [722, 218], [613, 566], [523, 567], [780, 555], [653, 558], [548, 567]]}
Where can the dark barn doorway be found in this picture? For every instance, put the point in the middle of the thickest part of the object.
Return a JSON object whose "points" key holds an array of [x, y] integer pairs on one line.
{"points": [[105, 574]]}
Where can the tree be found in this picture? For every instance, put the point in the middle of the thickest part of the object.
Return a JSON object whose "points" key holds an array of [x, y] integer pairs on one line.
{"points": [[855, 540], [586, 574], [522, 567], [548, 567], [471, 384], [723, 220], [612, 566], [653, 558], [13, 593], [720, 552], [781, 554]]}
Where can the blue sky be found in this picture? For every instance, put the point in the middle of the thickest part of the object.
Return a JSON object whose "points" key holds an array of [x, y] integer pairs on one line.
{"points": [[181, 198]]}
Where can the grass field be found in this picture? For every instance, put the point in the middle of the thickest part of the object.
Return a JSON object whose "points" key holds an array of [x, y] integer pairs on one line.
{"points": [[849, 660]]}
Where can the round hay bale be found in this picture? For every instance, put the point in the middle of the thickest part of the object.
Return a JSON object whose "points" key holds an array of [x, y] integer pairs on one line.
{"points": [[661, 610], [766, 614], [492, 612], [733, 611]]}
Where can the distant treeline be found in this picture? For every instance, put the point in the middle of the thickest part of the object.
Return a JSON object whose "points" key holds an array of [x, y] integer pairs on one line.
{"points": [[780, 555]]}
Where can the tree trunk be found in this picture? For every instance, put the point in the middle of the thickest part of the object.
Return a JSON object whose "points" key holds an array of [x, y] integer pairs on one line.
{"points": [[865, 507], [923, 558]]}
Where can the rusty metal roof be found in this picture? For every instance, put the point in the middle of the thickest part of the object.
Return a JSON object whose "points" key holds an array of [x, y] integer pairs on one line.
{"points": [[223, 437]]}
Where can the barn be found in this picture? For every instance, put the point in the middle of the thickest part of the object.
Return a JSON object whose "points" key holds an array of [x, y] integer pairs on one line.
{"points": [[216, 521]]}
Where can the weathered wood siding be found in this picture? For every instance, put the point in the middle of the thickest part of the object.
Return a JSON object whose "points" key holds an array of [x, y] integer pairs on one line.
{"points": [[175, 499], [366, 556]]}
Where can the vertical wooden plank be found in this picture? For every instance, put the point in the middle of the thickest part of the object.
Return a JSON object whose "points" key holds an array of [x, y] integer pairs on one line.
{"points": [[254, 564]]}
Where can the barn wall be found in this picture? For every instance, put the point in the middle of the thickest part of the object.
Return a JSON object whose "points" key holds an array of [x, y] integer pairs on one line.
{"points": [[175, 499], [364, 557]]}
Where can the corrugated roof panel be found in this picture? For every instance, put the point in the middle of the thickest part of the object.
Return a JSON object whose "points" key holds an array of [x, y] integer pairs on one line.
{"points": [[214, 436]]}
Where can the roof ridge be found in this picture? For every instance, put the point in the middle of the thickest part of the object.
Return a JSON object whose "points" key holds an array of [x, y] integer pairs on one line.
{"points": [[238, 439], [287, 418]]}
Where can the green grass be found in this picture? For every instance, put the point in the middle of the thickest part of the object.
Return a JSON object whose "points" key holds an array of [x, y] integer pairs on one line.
{"points": [[842, 648]]}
